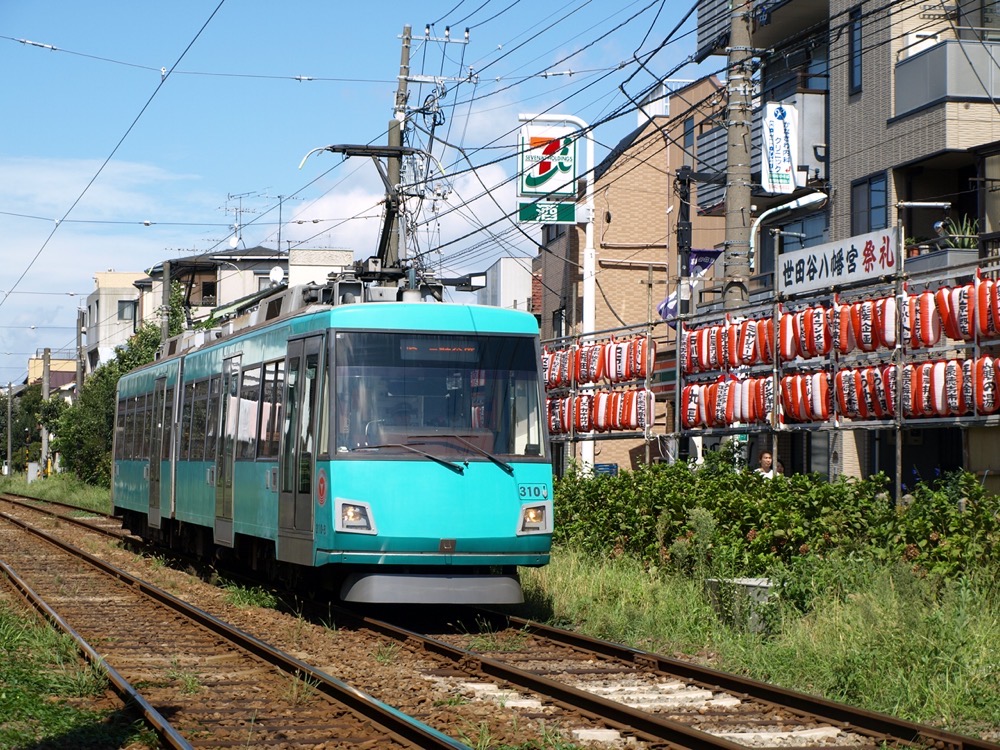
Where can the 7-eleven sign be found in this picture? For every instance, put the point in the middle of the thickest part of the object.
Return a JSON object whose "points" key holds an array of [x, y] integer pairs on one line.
{"points": [[546, 161]]}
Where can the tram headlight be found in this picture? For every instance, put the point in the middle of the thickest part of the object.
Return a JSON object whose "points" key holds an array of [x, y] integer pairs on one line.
{"points": [[535, 519], [355, 517]]}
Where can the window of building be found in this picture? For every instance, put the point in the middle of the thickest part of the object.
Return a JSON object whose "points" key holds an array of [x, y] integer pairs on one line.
{"points": [[559, 323], [807, 231], [126, 309], [552, 232], [208, 293], [688, 156], [869, 204], [991, 18], [854, 49]]}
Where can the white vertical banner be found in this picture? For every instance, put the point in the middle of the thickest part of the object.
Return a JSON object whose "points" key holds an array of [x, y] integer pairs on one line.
{"points": [[779, 149]]}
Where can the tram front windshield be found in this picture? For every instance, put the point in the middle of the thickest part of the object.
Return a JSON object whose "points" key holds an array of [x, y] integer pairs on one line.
{"points": [[443, 394]]}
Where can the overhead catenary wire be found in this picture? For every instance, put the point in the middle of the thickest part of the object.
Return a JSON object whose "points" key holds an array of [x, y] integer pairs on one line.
{"points": [[110, 156]]}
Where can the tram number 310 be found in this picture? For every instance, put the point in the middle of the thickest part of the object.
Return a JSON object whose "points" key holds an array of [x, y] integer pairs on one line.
{"points": [[533, 491]]}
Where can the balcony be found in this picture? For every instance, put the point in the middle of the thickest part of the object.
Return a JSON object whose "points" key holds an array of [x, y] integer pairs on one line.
{"points": [[951, 70]]}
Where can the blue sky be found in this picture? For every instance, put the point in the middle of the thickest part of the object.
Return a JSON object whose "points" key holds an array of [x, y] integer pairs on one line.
{"points": [[232, 120]]}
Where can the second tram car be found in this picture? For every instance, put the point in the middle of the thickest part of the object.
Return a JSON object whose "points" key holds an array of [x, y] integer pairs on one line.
{"points": [[398, 449]]}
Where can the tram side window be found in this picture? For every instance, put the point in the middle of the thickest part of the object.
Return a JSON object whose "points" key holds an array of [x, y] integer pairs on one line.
{"points": [[186, 422], [132, 428], [199, 421], [168, 420], [147, 425], [248, 426], [270, 413], [212, 433], [120, 430]]}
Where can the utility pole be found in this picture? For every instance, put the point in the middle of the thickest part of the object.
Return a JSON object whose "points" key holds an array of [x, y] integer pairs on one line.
{"points": [[394, 164], [739, 86], [79, 351], [46, 363], [10, 398], [684, 177], [165, 297]]}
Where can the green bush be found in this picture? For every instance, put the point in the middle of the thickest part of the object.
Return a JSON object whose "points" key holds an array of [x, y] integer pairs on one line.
{"points": [[718, 518]]}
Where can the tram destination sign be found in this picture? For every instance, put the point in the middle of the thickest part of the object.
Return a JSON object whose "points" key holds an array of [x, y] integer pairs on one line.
{"points": [[864, 257]]}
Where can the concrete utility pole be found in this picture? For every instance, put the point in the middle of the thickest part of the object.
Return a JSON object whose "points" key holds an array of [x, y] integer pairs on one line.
{"points": [[165, 297], [80, 330], [46, 362], [739, 88], [10, 398], [394, 164]]}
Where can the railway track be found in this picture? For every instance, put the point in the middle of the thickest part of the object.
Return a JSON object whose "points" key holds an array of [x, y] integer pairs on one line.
{"points": [[679, 702], [198, 681], [501, 672]]}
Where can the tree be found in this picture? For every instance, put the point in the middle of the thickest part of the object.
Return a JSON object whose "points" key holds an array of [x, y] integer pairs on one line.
{"points": [[86, 429]]}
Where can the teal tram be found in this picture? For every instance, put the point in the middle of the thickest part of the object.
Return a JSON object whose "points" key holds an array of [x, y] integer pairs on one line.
{"points": [[388, 451]]}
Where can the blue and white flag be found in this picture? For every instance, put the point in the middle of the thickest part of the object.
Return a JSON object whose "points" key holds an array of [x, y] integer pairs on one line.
{"points": [[699, 263]]}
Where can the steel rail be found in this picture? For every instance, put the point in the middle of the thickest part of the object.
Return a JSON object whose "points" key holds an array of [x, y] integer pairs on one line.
{"points": [[129, 695], [881, 724], [394, 721], [24, 501], [624, 717]]}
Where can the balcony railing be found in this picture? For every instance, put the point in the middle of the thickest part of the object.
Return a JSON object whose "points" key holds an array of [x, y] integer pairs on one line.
{"points": [[951, 70]]}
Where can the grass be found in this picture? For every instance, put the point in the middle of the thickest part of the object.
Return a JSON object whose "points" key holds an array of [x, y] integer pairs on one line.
{"points": [[61, 487], [933, 642], [301, 689], [46, 691], [254, 596], [190, 682], [386, 653], [487, 639]]}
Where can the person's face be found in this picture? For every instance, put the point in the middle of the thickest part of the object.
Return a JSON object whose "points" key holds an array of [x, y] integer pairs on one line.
{"points": [[765, 461]]}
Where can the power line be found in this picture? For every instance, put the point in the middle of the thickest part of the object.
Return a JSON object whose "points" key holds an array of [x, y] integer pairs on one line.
{"points": [[111, 155]]}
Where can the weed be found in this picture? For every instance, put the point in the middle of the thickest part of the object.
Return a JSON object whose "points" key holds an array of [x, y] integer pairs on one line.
{"points": [[489, 639], [480, 737], [300, 689], [386, 653], [241, 596], [190, 681], [455, 700]]}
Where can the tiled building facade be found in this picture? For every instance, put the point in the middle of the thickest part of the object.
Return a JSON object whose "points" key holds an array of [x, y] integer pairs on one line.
{"points": [[635, 225]]}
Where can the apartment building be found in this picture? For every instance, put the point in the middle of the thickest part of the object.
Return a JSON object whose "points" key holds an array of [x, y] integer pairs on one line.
{"points": [[636, 210], [903, 94], [212, 280], [110, 316]]}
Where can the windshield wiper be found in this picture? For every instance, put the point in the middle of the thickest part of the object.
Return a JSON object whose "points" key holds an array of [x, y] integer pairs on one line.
{"points": [[468, 443], [457, 468]]}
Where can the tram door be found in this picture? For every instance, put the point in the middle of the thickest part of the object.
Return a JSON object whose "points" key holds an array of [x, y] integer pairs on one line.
{"points": [[298, 450], [225, 454], [157, 426]]}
